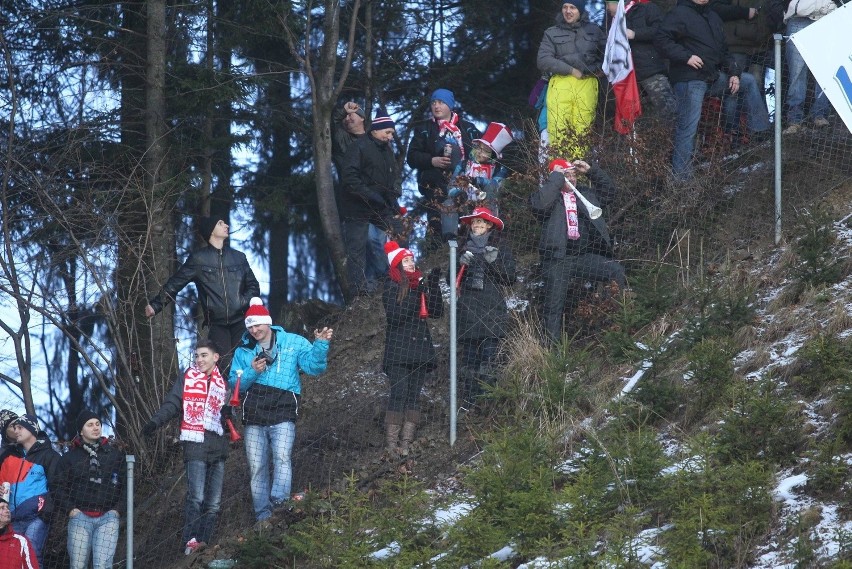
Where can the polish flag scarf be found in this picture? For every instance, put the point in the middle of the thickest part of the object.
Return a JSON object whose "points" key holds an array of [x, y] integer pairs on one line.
{"points": [[203, 398], [570, 201], [451, 128]]}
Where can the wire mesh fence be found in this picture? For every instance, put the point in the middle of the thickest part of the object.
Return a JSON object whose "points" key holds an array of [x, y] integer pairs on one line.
{"points": [[550, 246]]}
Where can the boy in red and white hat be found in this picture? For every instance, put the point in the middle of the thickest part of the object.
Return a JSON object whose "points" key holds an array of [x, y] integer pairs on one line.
{"points": [[269, 360], [482, 179]]}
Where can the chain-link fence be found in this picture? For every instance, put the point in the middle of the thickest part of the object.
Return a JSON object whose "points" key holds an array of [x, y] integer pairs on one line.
{"points": [[521, 255]]}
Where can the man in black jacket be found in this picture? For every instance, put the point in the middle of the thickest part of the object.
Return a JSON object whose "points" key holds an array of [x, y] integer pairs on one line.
{"points": [[693, 39], [200, 399], [439, 149], [573, 243], [643, 20], [225, 284], [370, 189]]}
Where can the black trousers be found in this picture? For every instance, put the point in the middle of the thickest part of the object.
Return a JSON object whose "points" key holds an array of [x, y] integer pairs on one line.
{"points": [[560, 273], [227, 338]]}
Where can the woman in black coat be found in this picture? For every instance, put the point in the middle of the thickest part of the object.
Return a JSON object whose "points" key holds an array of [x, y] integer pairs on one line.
{"points": [[486, 267], [409, 300], [93, 494]]}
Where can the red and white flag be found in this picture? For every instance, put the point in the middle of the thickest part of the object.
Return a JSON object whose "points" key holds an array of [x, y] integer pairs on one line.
{"points": [[618, 66]]}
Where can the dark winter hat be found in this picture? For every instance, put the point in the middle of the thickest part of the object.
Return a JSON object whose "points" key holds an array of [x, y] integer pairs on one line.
{"points": [[579, 4], [382, 120], [28, 422], [446, 96], [6, 418], [84, 417], [206, 225]]}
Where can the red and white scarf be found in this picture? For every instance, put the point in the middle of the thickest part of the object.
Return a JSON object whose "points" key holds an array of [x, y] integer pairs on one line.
{"points": [[203, 398], [480, 170], [451, 128], [570, 201]]}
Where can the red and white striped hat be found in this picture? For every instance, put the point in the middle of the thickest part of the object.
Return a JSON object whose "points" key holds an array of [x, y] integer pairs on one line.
{"points": [[396, 253], [257, 313], [497, 136]]}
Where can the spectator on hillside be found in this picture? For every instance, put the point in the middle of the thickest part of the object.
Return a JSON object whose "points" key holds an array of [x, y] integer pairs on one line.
{"points": [[270, 360], [439, 149], [643, 20], [370, 190], [31, 467], [7, 434], [748, 32], [574, 244], [693, 39], [483, 319], [348, 125], [799, 15], [224, 282], [409, 300], [479, 185], [92, 494], [571, 53], [200, 399], [16, 551]]}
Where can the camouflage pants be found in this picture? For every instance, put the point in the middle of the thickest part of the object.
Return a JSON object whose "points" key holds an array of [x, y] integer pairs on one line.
{"points": [[659, 91]]}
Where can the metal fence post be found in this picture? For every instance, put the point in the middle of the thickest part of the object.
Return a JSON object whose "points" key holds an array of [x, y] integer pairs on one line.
{"points": [[778, 114], [131, 460], [453, 333]]}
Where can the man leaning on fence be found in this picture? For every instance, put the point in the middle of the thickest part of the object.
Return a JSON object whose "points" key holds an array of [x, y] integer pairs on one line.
{"points": [[268, 362], [200, 398]]}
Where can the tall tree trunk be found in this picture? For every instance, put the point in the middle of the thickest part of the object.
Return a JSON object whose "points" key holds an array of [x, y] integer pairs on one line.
{"points": [[146, 357], [325, 88]]}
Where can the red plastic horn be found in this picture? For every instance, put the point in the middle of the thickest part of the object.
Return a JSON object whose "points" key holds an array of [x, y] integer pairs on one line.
{"points": [[235, 396], [424, 312], [232, 431], [459, 276]]}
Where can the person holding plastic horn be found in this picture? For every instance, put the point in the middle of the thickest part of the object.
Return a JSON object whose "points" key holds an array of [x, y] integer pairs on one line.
{"points": [[575, 241], [200, 398], [409, 300], [486, 266]]}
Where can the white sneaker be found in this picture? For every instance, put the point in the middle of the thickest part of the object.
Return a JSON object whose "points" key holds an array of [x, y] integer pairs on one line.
{"points": [[820, 122], [192, 546], [794, 128]]}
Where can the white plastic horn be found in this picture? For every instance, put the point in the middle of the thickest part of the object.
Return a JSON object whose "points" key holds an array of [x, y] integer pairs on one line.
{"points": [[594, 211]]}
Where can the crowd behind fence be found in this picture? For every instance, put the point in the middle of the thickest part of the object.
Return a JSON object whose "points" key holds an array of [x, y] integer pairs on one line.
{"points": [[554, 251]]}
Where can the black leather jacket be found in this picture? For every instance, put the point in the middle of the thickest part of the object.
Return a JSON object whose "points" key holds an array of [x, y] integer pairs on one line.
{"points": [[224, 280]]}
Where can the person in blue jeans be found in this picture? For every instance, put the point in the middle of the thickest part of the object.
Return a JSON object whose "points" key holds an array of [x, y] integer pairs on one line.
{"points": [[31, 468], [692, 37], [799, 16], [93, 493], [268, 362], [200, 398]]}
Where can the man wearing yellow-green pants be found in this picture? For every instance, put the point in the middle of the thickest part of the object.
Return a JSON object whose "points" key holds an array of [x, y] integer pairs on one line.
{"points": [[571, 53]]}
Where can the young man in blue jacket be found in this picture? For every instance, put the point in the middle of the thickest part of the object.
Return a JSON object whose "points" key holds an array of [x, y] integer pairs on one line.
{"points": [[268, 361]]}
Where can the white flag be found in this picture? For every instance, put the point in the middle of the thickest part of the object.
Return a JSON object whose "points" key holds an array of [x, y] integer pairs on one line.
{"points": [[617, 63]]}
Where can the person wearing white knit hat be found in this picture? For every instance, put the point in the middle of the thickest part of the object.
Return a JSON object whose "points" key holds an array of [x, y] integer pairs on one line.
{"points": [[268, 362]]}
